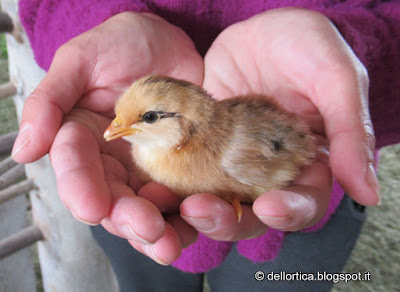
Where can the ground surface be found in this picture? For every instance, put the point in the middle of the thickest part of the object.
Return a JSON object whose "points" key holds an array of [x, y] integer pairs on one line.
{"points": [[378, 249]]}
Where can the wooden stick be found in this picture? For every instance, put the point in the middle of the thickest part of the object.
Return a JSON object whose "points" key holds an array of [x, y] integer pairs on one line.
{"points": [[12, 175], [6, 164], [15, 190], [19, 240], [6, 24], [7, 142], [7, 89]]}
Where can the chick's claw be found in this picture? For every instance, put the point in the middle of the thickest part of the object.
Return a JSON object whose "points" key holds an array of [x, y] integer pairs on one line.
{"points": [[238, 209]]}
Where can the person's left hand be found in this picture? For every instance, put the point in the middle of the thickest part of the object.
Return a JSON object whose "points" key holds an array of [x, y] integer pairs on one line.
{"points": [[299, 58]]}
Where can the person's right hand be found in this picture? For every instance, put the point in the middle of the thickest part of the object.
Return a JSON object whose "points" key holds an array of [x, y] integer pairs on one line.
{"points": [[67, 113], [297, 57]]}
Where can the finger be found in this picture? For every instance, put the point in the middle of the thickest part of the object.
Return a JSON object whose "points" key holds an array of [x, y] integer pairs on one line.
{"points": [[299, 206], [187, 234], [339, 88], [216, 218], [349, 129], [130, 216], [166, 250], [45, 107], [133, 218], [290, 210], [76, 160], [160, 196]]}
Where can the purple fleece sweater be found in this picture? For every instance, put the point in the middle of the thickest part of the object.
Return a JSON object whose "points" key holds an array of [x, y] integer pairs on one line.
{"points": [[371, 27]]}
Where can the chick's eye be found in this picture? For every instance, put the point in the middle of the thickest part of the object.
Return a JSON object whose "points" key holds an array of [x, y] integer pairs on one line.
{"points": [[151, 117]]}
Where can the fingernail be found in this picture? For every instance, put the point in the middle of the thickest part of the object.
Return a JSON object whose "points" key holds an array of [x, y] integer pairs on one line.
{"points": [[206, 224], [277, 222], [373, 180], [22, 140], [150, 250], [130, 234], [83, 221]]}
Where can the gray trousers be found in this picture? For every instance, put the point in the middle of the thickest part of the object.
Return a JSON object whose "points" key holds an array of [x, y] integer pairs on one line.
{"points": [[324, 251]]}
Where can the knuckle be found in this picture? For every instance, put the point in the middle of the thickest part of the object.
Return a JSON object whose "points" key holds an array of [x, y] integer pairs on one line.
{"points": [[362, 75], [369, 138]]}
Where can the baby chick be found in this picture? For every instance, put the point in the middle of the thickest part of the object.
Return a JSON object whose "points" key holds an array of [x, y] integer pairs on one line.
{"points": [[237, 148]]}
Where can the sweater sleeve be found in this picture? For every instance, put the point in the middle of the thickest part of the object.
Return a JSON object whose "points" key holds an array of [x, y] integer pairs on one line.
{"points": [[372, 29], [49, 24]]}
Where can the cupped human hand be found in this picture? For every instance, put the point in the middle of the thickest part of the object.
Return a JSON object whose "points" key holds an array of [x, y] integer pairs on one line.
{"points": [[299, 58], [294, 55], [72, 106]]}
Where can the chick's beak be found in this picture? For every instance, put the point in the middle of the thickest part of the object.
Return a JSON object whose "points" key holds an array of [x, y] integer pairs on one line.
{"points": [[115, 130]]}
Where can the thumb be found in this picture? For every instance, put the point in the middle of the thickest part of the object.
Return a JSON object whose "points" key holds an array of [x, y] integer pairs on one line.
{"points": [[349, 129], [45, 108]]}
